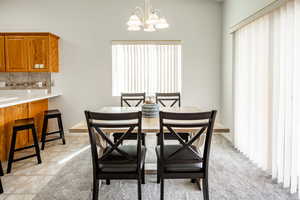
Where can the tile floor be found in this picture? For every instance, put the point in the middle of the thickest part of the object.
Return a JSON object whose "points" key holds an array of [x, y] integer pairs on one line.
{"points": [[28, 178]]}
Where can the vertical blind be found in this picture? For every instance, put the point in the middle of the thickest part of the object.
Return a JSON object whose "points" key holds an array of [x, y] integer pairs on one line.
{"points": [[267, 93], [146, 68]]}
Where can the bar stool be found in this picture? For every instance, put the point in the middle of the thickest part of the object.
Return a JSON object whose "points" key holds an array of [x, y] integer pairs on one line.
{"points": [[20, 125], [50, 114], [1, 174]]}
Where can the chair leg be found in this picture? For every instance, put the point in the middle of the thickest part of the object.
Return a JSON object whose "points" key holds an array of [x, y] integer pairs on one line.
{"points": [[157, 140], [12, 151], [115, 139], [36, 145], [143, 140], [44, 132], [193, 180], [61, 129], [95, 189], [107, 181], [205, 189], [158, 172], [162, 189], [139, 188], [143, 174]]}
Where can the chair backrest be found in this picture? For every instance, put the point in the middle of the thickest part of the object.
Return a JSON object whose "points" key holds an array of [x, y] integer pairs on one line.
{"points": [[202, 122], [97, 122], [132, 99], [171, 98]]}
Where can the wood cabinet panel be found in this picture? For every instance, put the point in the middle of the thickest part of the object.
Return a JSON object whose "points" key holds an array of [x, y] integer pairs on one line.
{"points": [[36, 111], [3, 148], [16, 54], [2, 54], [10, 115], [38, 51], [53, 54]]}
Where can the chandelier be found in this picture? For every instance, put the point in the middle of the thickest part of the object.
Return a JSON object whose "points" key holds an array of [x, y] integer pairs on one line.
{"points": [[149, 19]]}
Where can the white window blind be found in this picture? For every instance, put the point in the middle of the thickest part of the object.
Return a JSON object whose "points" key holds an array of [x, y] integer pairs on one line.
{"points": [[150, 67], [267, 94]]}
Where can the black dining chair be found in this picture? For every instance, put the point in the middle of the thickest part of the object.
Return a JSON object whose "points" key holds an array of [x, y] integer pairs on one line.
{"points": [[116, 161], [170, 100], [185, 160], [1, 174], [131, 100]]}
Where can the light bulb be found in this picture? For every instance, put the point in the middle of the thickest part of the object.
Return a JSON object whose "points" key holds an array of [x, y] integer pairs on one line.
{"points": [[134, 20], [162, 24]]}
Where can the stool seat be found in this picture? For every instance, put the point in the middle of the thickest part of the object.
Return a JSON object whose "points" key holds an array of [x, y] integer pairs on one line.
{"points": [[24, 122], [54, 112]]}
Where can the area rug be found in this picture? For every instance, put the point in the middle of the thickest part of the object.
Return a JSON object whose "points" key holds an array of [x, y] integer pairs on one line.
{"points": [[231, 176]]}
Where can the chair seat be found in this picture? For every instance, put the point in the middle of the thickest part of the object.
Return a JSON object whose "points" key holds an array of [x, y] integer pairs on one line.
{"points": [[170, 136], [117, 162], [184, 161]]}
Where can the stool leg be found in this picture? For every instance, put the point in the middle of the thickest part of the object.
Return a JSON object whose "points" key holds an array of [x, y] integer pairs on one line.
{"points": [[1, 188], [36, 145], [12, 150], [61, 129], [1, 174], [1, 169], [44, 132]]}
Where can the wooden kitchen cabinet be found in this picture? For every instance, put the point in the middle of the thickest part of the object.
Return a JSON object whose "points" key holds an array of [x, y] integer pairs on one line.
{"points": [[30, 52], [16, 54], [3, 136], [2, 54], [38, 47], [36, 111]]}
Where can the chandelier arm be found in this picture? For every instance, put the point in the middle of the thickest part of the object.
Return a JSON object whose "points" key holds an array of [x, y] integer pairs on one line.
{"points": [[139, 11]]}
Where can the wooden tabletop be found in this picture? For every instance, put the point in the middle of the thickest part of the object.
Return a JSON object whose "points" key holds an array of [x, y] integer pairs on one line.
{"points": [[149, 125]]}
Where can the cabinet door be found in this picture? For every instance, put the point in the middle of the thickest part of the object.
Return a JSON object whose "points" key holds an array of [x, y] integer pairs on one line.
{"points": [[2, 55], [16, 54], [3, 148], [36, 111], [38, 51], [11, 114]]}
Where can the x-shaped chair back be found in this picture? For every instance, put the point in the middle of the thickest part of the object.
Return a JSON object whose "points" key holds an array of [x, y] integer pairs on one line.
{"points": [[202, 123], [96, 122], [168, 99], [132, 99]]}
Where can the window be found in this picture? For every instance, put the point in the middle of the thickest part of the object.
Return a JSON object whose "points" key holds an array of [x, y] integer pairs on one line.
{"points": [[267, 95], [146, 66]]}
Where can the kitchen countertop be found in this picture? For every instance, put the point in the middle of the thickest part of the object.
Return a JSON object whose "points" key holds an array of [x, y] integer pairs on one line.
{"points": [[15, 97]]}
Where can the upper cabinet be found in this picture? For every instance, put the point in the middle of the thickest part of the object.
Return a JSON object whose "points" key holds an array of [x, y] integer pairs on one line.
{"points": [[16, 54], [30, 52], [2, 54]]}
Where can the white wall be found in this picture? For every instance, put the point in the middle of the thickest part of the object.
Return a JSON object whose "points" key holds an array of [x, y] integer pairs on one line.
{"points": [[234, 11], [86, 28]]}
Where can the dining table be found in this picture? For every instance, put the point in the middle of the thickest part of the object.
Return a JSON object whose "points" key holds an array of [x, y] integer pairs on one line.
{"points": [[150, 126]]}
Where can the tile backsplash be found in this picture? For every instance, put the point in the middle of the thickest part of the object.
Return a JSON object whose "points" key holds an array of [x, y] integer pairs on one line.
{"points": [[25, 80]]}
